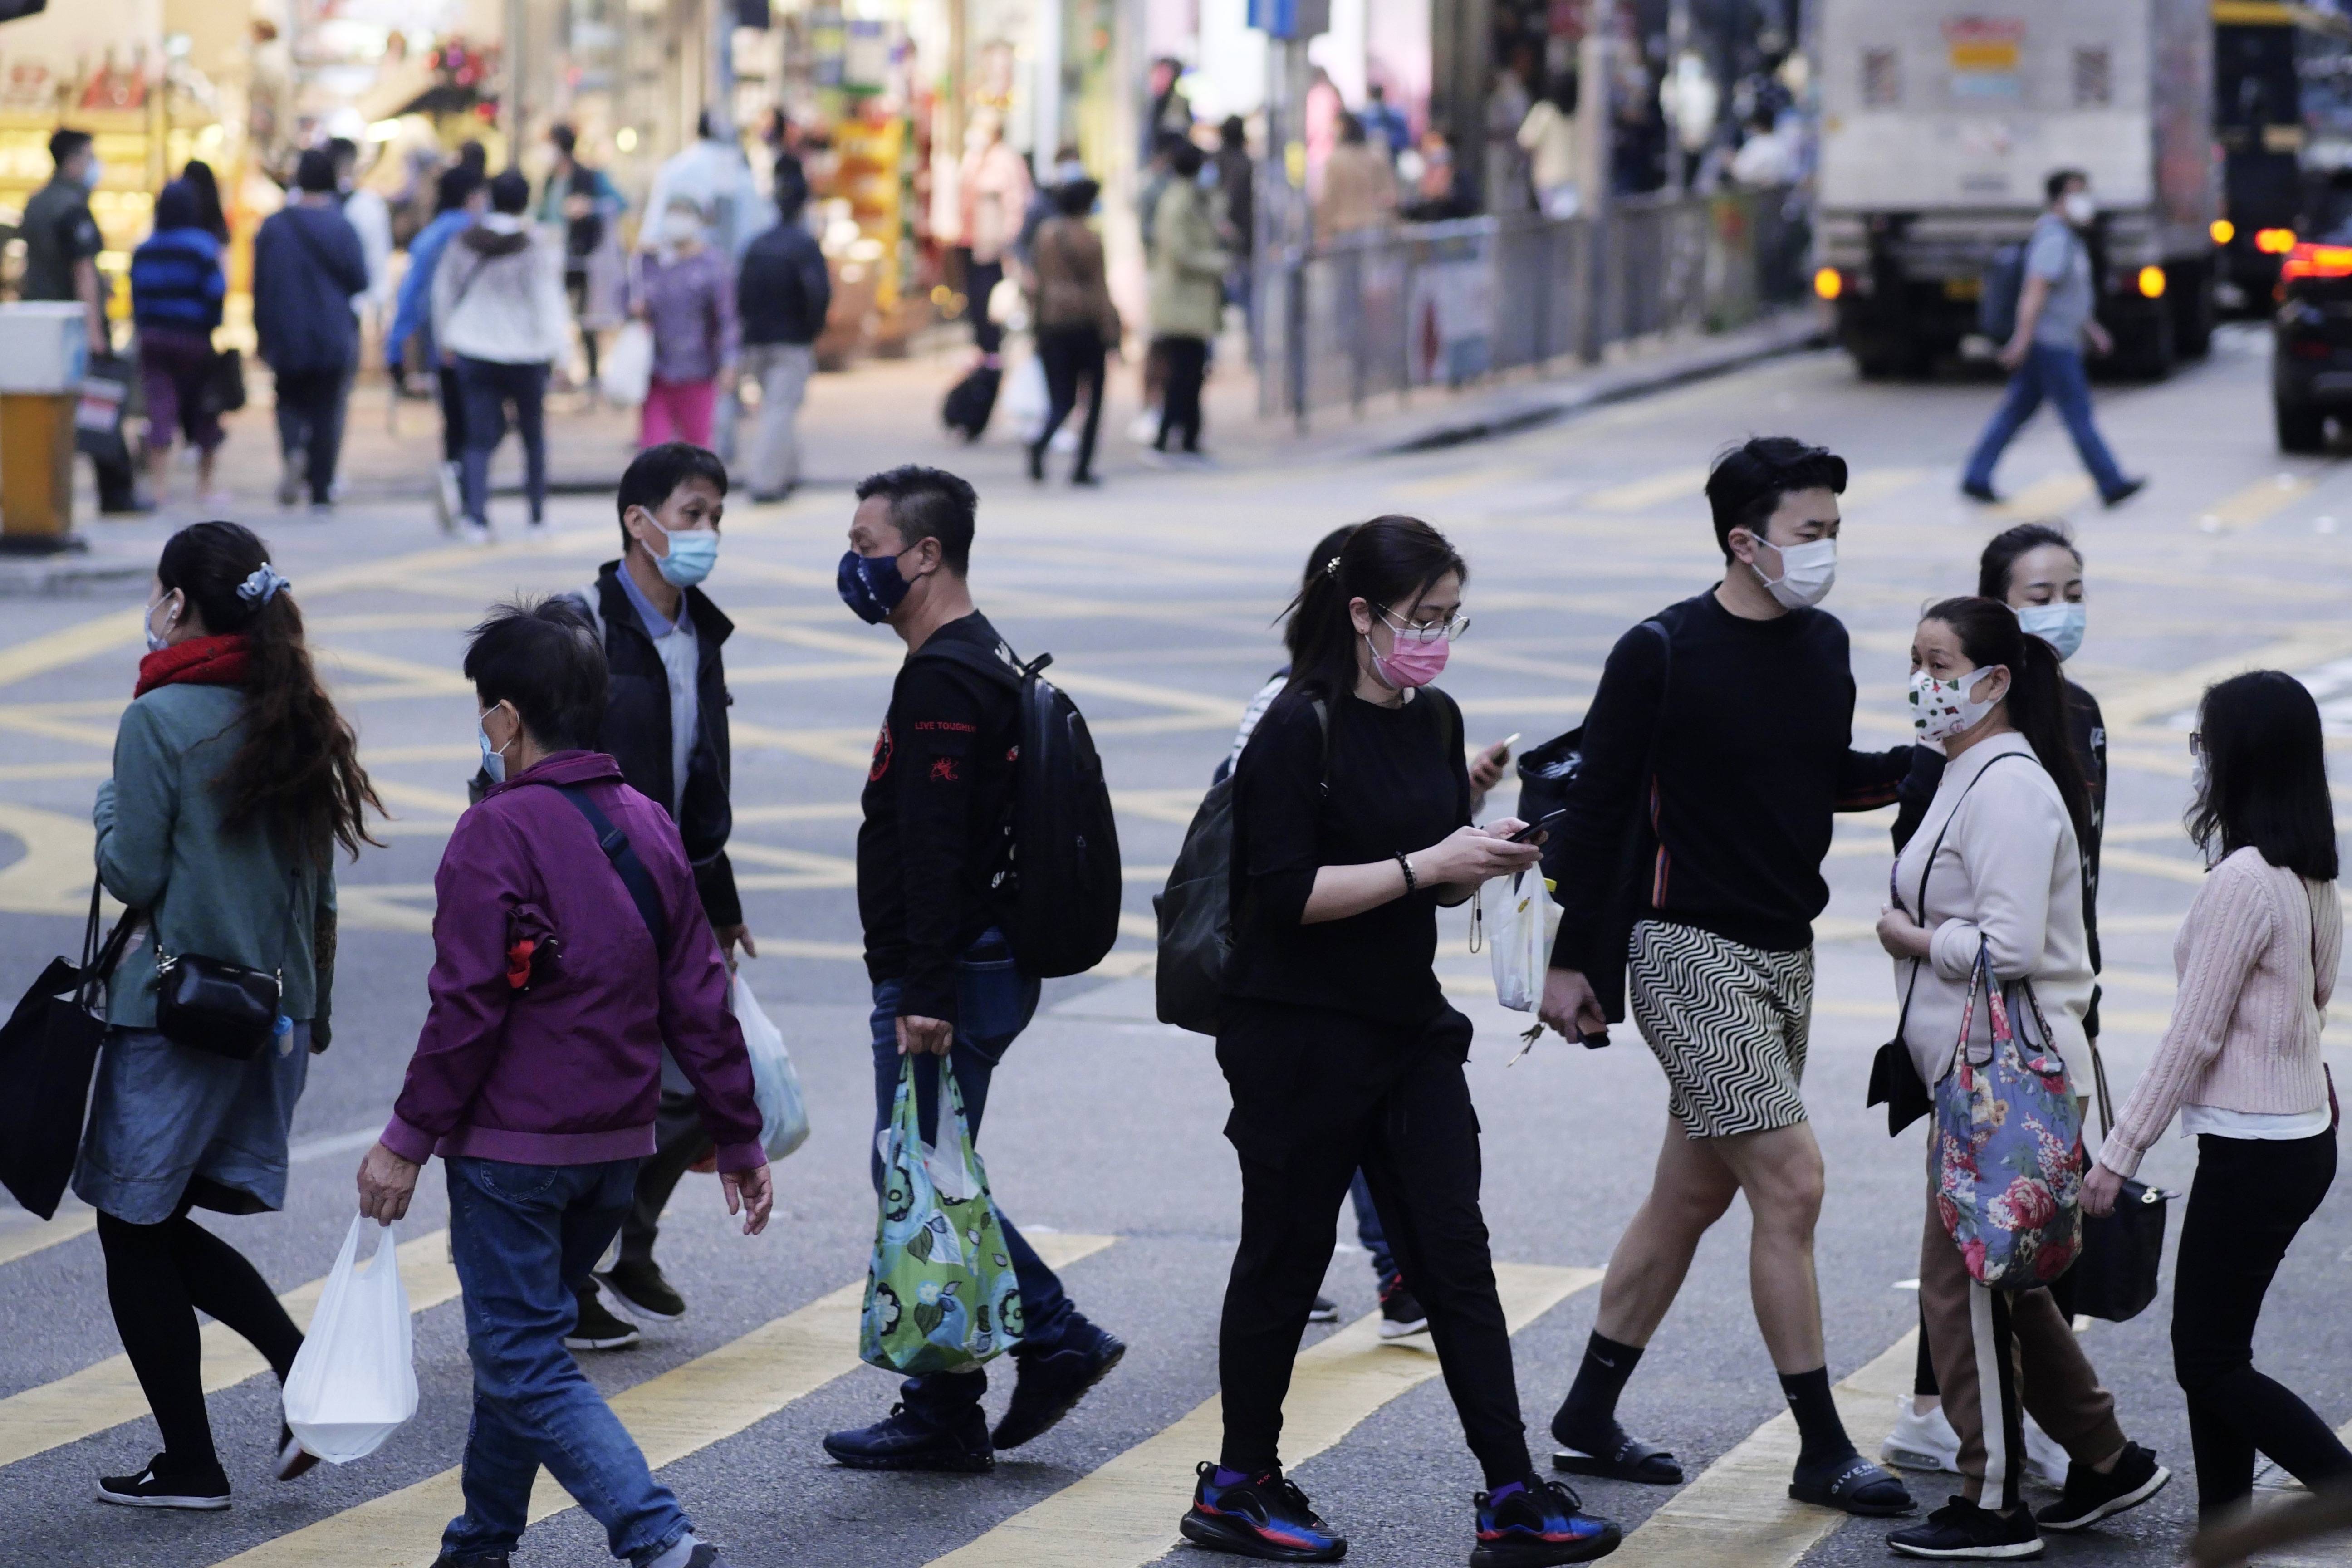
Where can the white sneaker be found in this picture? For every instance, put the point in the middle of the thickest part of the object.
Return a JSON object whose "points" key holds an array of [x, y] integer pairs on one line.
{"points": [[449, 495], [475, 532], [2045, 1461], [1921, 1442], [1144, 428]]}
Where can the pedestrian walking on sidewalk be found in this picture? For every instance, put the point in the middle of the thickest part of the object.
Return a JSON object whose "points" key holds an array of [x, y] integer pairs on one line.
{"points": [[2056, 318], [501, 317], [1351, 825], [2240, 1063], [1188, 295], [61, 247], [947, 984], [589, 207], [307, 266], [1996, 872], [235, 780], [1077, 326], [782, 291], [993, 192], [666, 724], [681, 290], [176, 289], [1689, 867], [556, 985], [462, 196]]}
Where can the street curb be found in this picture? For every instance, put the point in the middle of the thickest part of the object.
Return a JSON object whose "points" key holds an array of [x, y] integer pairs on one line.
{"points": [[52, 576]]}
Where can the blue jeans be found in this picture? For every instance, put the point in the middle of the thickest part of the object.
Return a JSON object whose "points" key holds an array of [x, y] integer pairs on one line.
{"points": [[1375, 1239], [995, 1002], [2057, 374], [488, 386], [522, 1237]]}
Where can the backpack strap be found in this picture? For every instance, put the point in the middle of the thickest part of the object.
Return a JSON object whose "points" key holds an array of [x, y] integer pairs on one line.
{"points": [[623, 856]]}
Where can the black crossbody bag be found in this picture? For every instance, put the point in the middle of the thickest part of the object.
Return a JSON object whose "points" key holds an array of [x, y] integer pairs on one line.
{"points": [[2114, 1276], [221, 1008]]}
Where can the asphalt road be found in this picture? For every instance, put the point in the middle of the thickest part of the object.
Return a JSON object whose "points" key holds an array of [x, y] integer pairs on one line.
{"points": [[1158, 597]]}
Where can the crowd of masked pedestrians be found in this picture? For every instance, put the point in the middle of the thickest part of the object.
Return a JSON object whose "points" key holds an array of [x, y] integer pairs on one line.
{"points": [[582, 1051]]}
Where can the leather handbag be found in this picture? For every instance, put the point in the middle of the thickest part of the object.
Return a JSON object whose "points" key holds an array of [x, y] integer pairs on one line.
{"points": [[224, 385], [2115, 1276], [221, 1008], [48, 1049]]}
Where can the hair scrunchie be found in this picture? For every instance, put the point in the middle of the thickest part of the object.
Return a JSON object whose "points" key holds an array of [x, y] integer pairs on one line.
{"points": [[264, 582]]}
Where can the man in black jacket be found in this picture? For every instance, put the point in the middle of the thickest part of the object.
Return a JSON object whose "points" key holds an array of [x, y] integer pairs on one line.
{"points": [[783, 292], [666, 724]]}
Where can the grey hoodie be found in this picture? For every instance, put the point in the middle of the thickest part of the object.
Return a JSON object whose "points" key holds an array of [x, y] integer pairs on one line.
{"points": [[498, 295]]}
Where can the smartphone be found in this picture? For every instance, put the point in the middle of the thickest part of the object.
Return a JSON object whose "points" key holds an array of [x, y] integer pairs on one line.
{"points": [[1544, 823]]}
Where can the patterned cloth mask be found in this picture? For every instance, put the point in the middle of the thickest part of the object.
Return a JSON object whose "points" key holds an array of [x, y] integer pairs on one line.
{"points": [[1942, 709]]}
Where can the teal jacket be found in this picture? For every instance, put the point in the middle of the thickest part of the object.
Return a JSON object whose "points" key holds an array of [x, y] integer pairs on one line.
{"points": [[240, 897]]}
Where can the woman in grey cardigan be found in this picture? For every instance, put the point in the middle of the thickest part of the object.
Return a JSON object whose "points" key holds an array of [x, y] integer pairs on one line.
{"points": [[233, 780]]}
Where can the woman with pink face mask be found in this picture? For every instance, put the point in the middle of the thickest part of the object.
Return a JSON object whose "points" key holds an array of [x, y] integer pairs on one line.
{"points": [[1350, 825]]}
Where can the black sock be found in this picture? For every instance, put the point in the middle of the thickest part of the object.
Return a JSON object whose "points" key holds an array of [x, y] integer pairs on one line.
{"points": [[1587, 1421], [1821, 1433]]}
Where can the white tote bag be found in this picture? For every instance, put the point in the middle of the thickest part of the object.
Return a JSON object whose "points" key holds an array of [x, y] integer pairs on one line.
{"points": [[783, 1114], [628, 365], [1027, 401], [354, 1380], [1521, 919]]}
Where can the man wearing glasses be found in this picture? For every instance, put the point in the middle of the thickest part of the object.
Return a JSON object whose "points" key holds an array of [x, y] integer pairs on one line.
{"points": [[1715, 750]]}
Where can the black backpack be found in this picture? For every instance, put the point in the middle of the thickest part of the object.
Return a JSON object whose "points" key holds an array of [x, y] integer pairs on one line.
{"points": [[1057, 880]]}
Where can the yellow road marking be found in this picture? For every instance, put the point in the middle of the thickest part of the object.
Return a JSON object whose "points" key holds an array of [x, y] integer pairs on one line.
{"points": [[678, 1413], [2045, 498], [1125, 1512], [30, 1236], [2255, 502], [87, 1402], [1681, 484], [1737, 1513]]}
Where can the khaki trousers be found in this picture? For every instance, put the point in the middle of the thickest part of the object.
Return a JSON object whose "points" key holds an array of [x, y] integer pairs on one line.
{"points": [[1996, 1352]]}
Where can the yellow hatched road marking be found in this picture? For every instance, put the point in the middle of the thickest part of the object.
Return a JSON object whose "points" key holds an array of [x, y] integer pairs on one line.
{"points": [[1125, 1512], [678, 1413], [87, 1402], [1681, 484], [2255, 502], [30, 1236], [1737, 1513], [2045, 498]]}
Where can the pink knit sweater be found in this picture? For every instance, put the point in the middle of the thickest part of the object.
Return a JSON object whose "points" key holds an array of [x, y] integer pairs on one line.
{"points": [[2256, 956]]}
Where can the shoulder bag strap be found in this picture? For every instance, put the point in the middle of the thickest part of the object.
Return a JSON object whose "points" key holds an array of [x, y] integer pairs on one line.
{"points": [[1921, 896], [623, 856]]}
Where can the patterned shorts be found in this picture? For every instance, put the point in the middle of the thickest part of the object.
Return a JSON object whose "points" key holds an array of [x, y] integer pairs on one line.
{"points": [[1729, 1024]]}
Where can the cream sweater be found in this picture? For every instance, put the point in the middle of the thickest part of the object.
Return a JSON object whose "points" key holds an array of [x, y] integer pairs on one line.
{"points": [[2010, 876], [2256, 957]]}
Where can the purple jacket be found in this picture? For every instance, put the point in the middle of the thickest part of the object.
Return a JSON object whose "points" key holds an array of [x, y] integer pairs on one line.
{"points": [[691, 307], [568, 1072]]}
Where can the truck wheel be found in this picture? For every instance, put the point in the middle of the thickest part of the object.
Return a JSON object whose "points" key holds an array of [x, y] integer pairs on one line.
{"points": [[2301, 427], [2146, 344]]}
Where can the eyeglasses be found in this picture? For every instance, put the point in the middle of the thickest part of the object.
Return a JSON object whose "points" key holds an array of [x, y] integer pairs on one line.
{"points": [[1425, 631]]}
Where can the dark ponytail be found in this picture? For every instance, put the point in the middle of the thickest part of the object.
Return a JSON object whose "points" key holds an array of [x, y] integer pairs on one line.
{"points": [[1988, 635], [1388, 562], [298, 768]]}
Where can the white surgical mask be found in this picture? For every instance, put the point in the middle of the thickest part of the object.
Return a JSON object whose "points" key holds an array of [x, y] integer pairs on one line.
{"points": [[2079, 208], [156, 643], [97, 173], [493, 762], [1943, 709], [1807, 573], [2058, 624]]}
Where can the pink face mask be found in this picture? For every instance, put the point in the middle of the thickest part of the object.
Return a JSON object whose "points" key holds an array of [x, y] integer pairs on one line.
{"points": [[1410, 663]]}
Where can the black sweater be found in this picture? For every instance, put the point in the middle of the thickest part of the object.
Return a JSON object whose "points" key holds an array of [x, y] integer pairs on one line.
{"points": [[1754, 754], [935, 805], [1396, 783]]}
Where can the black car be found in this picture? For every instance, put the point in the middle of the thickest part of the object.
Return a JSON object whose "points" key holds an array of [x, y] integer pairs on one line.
{"points": [[2311, 359]]}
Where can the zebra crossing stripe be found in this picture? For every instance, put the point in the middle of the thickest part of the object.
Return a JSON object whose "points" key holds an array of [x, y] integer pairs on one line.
{"points": [[1738, 1514], [678, 1413], [86, 1403], [1124, 1514]]}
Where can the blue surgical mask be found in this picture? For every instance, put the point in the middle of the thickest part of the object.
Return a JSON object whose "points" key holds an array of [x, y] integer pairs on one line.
{"points": [[870, 585], [2058, 624], [156, 643], [493, 763], [692, 553]]}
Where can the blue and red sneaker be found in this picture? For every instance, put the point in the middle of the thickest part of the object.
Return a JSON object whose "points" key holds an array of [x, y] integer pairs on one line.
{"points": [[1260, 1516], [1538, 1523]]}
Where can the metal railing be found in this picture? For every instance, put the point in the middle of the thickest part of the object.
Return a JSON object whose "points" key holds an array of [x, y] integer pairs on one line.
{"points": [[1446, 304]]}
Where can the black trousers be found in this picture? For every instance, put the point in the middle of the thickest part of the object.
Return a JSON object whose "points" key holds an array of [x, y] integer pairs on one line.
{"points": [[310, 420], [1180, 404], [452, 415], [979, 280], [678, 1142], [1071, 354], [2250, 1198], [1316, 1094]]}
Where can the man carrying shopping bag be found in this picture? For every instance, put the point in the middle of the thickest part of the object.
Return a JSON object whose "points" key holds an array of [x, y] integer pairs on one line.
{"points": [[570, 945]]}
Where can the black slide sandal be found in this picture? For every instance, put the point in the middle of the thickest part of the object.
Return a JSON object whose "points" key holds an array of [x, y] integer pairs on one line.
{"points": [[1853, 1486], [1645, 1464]]}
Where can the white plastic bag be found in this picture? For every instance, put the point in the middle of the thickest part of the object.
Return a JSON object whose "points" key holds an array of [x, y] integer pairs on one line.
{"points": [[783, 1114], [354, 1380], [1026, 400], [1521, 919], [628, 367]]}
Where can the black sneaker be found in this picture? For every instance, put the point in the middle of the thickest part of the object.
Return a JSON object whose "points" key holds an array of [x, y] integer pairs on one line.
{"points": [[641, 1285], [2091, 1497], [445, 1560], [1983, 493], [598, 1328], [1266, 1516], [206, 1491], [293, 1460], [904, 1440], [1542, 1523], [2123, 492], [1961, 1529], [1325, 1310], [1051, 1382], [1400, 1312]]}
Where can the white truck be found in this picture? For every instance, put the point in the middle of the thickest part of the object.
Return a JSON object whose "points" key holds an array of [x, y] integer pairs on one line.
{"points": [[1940, 120]]}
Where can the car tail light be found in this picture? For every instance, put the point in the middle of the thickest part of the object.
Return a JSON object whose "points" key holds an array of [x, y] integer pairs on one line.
{"points": [[2316, 261], [1829, 283], [2223, 231], [2151, 282], [2273, 241]]}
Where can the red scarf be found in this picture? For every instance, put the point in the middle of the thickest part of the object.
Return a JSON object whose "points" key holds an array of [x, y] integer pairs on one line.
{"points": [[199, 661]]}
